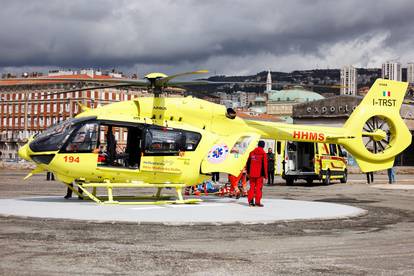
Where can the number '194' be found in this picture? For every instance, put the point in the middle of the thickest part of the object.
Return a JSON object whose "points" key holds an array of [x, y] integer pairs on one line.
{"points": [[71, 159]]}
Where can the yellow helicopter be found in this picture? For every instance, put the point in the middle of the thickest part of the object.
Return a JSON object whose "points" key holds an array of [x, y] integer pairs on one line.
{"points": [[178, 142]]}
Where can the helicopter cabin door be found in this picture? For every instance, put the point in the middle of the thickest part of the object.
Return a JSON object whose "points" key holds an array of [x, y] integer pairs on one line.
{"points": [[120, 146], [229, 154]]}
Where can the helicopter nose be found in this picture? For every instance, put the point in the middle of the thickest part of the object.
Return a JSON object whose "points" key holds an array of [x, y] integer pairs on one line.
{"points": [[23, 152]]}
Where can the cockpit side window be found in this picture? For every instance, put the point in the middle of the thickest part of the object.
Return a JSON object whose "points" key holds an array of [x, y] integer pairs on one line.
{"points": [[84, 140], [53, 138]]}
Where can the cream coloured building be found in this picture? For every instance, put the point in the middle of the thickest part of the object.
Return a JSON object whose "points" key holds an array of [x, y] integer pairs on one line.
{"points": [[281, 102]]}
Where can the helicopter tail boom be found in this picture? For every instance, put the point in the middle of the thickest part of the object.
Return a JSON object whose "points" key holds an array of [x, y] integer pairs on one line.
{"points": [[377, 129], [374, 133]]}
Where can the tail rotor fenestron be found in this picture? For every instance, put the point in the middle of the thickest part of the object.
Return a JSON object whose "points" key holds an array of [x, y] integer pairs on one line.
{"points": [[377, 134]]}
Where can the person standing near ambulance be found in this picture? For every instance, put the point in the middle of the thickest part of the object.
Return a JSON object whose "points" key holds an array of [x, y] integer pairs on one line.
{"points": [[257, 171]]}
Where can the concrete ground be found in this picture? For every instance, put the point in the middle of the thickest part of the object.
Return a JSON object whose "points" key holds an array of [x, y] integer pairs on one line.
{"points": [[378, 243]]}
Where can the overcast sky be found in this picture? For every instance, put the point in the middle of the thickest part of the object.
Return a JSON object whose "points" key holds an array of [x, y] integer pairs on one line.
{"points": [[225, 37]]}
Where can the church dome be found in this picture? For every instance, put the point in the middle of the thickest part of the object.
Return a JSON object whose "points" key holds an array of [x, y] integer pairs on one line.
{"points": [[293, 95]]}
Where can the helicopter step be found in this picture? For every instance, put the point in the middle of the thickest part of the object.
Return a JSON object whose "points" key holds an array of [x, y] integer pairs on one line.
{"points": [[132, 200]]}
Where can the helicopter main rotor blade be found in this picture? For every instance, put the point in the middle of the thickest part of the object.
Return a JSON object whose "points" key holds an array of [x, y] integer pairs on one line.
{"points": [[90, 88], [163, 81], [263, 83], [131, 82], [160, 80], [114, 81]]}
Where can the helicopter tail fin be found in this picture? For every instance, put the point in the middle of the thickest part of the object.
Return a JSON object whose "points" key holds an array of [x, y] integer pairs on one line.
{"points": [[378, 131]]}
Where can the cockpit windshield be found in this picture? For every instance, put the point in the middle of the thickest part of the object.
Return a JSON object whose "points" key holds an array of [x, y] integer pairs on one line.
{"points": [[54, 137]]}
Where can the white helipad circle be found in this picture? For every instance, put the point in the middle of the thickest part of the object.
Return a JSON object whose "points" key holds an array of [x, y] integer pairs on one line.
{"points": [[210, 211]]}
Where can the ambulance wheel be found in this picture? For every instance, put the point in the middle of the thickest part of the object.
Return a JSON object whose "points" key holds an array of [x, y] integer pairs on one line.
{"points": [[309, 181], [327, 179], [289, 181], [344, 179]]}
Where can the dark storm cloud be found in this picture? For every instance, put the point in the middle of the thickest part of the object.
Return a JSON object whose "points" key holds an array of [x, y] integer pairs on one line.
{"points": [[223, 35]]}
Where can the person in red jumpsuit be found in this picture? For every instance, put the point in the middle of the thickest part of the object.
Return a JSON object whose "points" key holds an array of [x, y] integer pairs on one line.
{"points": [[257, 171], [234, 185]]}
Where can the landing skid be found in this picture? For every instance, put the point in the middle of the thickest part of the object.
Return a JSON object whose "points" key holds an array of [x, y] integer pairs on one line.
{"points": [[157, 198]]}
